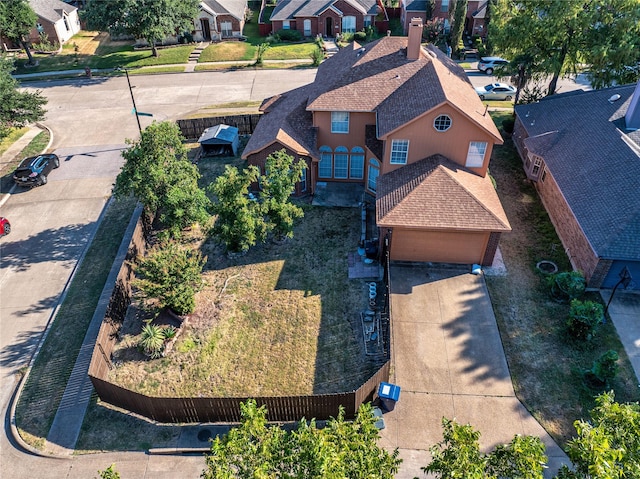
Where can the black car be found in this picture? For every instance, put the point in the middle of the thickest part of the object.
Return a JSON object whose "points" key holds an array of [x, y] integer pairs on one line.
{"points": [[33, 171]]}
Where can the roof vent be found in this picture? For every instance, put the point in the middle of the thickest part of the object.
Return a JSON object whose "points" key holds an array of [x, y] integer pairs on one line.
{"points": [[360, 51], [613, 98]]}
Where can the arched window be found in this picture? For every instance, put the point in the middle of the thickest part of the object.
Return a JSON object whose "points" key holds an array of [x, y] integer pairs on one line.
{"points": [[341, 159], [374, 172], [356, 167], [325, 167]]}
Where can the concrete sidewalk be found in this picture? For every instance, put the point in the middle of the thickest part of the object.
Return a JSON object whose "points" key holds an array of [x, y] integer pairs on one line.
{"points": [[624, 311], [449, 361]]}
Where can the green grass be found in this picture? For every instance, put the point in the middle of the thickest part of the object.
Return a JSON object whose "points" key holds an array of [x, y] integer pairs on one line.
{"points": [[282, 51], [11, 138], [546, 365], [48, 378], [228, 51]]}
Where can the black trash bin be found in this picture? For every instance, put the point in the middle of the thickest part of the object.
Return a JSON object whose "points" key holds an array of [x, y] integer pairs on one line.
{"points": [[388, 395]]}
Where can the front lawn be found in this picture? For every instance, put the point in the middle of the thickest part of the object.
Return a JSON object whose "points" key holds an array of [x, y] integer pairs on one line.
{"points": [[546, 364], [228, 51]]}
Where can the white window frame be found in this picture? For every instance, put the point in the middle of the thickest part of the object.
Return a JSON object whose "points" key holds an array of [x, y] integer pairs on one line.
{"points": [[286, 25], [341, 163], [442, 123], [226, 28], [339, 122], [326, 163], [476, 154], [399, 152], [307, 27], [349, 24], [537, 166], [356, 163]]}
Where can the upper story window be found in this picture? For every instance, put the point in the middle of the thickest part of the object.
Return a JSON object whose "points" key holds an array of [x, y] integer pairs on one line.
{"points": [[286, 25], [537, 164], [339, 122], [475, 155], [442, 123], [399, 152]]}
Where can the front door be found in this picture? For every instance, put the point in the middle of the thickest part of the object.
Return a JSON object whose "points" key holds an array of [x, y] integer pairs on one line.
{"points": [[329, 27], [206, 29]]}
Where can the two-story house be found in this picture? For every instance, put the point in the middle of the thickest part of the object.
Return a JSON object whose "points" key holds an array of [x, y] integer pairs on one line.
{"points": [[475, 22], [405, 122], [316, 17]]}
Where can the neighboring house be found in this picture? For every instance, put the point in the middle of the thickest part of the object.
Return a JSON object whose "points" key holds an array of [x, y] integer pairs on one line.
{"points": [[474, 23], [57, 19], [327, 18], [220, 19], [405, 122], [582, 151]]}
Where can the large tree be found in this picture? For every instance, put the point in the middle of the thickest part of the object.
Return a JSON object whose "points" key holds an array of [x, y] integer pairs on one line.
{"points": [[17, 108], [343, 449], [457, 25], [152, 20], [159, 174], [608, 446], [561, 36], [17, 18]]}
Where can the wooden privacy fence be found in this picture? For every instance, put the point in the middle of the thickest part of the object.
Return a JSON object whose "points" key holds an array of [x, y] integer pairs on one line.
{"points": [[203, 409], [193, 128]]}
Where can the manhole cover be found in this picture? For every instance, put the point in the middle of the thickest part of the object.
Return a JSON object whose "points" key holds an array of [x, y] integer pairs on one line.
{"points": [[204, 435]]}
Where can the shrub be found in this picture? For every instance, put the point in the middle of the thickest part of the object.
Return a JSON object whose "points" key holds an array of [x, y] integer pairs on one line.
{"points": [[584, 318], [567, 285], [262, 49], [360, 36], [289, 35], [317, 56], [346, 37], [152, 340], [605, 368], [273, 39], [508, 124], [169, 332]]}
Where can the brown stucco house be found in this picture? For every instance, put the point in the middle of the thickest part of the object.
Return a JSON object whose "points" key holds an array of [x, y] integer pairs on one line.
{"points": [[327, 18], [219, 19], [582, 151], [404, 122]]}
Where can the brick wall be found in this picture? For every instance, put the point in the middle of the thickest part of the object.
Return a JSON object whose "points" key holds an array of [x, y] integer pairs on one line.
{"points": [[490, 250]]}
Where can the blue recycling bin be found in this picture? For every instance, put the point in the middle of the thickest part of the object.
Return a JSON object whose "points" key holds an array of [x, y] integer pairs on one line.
{"points": [[388, 394]]}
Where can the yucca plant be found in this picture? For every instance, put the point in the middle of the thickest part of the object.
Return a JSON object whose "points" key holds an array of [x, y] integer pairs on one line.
{"points": [[169, 332], [152, 340]]}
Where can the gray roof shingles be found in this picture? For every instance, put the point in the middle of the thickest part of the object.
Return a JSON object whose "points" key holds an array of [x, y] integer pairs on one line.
{"points": [[580, 138], [51, 9], [290, 9], [235, 8]]}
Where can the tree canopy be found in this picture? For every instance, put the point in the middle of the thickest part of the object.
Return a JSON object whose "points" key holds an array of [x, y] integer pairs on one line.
{"points": [[561, 37], [17, 18], [151, 20], [17, 108], [159, 174], [343, 449]]}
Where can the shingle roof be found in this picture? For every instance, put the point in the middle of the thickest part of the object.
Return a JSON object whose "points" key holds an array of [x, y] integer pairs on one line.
{"points": [[437, 193], [381, 79], [235, 8], [595, 162], [287, 121], [416, 6], [290, 9], [51, 9]]}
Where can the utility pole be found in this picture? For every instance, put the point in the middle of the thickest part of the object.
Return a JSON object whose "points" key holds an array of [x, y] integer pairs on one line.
{"points": [[133, 100]]}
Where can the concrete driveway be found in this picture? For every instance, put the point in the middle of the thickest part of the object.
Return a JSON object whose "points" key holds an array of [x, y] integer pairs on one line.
{"points": [[448, 359]]}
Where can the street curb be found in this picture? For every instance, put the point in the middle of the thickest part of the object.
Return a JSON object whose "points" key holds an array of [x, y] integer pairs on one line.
{"points": [[16, 396]]}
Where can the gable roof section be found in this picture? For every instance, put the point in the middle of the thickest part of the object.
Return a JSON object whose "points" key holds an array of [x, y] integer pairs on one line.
{"points": [[51, 10], [436, 193], [235, 8], [415, 6], [379, 78], [290, 9], [285, 120], [595, 162]]}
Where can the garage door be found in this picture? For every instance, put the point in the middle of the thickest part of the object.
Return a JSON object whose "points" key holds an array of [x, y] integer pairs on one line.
{"points": [[613, 276], [438, 247]]}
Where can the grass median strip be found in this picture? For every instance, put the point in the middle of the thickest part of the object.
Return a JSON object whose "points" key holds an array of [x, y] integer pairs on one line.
{"points": [[43, 391]]}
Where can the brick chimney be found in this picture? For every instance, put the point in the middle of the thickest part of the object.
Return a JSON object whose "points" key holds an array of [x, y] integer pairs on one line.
{"points": [[415, 39], [632, 117]]}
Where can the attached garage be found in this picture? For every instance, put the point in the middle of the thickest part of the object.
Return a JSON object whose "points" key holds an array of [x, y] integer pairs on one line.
{"points": [[438, 246], [440, 212], [615, 271]]}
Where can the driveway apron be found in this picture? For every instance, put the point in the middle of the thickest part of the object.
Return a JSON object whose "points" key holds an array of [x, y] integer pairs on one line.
{"points": [[447, 357]]}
